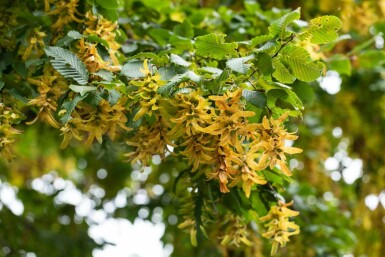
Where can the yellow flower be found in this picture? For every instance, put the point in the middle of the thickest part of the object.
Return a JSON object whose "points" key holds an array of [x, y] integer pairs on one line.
{"points": [[149, 140], [7, 132], [50, 88], [279, 226], [104, 29], [192, 109], [272, 142], [231, 123], [146, 94], [91, 58], [66, 10], [198, 150]]}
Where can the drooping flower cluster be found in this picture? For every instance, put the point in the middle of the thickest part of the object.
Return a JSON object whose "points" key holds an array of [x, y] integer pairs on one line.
{"points": [[7, 133], [279, 228]]}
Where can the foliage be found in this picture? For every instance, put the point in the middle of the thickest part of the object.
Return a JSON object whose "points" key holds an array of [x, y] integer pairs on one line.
{"points": [[199, 99]]}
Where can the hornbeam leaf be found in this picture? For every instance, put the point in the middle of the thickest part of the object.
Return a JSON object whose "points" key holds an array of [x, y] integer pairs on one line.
{"points": [[214, 46], [281, 73], [279, 26], [300, 63], [239, 64], [323, 29], [82, 90], [256, 98], [179, 60], [68, 64]]}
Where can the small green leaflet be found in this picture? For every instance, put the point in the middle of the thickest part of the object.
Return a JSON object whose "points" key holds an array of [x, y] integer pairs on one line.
{"points": [[68, 64], [69, 106], [279, 26], [214, 46], [300, 63], [82, 90], [133, 70], [256, 98], [240, 64], [179, 60], [264, 63], [323, 29], [281, 73]]}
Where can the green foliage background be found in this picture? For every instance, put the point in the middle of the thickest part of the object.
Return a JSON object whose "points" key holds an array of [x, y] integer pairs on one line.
{"points": [[334, 219]]}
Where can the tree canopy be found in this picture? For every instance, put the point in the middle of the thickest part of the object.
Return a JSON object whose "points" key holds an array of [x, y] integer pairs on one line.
{"points": [[248, 128]]}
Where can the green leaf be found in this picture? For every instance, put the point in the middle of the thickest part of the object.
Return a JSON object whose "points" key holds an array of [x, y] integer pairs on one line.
{"points": [[281, 73], [108, 4], [300, 63], [323, 29], [340, 63], [278, 27], [276, 96], [185, 29], [264, 63], [161, 36], [133, 70], [105, 74], [69, 106], [240, 64], [371, 58], [97, 39], [256, 98], [260, 39], [74, 34], [179, 60], [113, 96], [214, 46], [82, 90], [168, 88], [68, 64]]}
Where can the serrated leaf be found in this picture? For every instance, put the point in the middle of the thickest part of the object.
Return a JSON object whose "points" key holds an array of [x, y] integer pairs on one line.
{"points": [[113, 96], [278, 27], [133, 70], [93, 98], [69, 106], [300, 63], [82, 90], [168, 88], [105, 74], [286, 95], [68, 64], [260, 39], [214, 46], [264, 63], [179, 60], [74, 34], [256, 98], [281, 73], [323, 29], [240, 64]]}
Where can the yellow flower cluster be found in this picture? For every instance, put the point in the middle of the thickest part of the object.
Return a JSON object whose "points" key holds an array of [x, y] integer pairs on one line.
{"points": [[65, 11], [92, 123], [236, 232], [7, 132], [51, 86], [88, 53], [104, 29], [220, 137], [279, 226]]}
